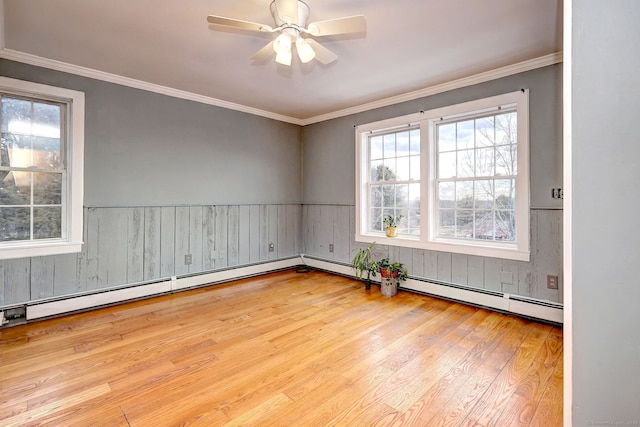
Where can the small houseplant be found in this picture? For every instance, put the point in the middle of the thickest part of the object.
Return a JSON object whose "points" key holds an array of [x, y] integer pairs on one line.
{"points": [[392, 274], [391, 225], [364, 262]]}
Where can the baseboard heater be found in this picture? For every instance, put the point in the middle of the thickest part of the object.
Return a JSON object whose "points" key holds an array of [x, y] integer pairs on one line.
{"points": [[499, 301], [78, 302]]}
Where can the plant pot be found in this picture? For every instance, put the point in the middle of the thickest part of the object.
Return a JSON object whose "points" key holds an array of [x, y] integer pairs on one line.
{"points": [[388, 287], [387, 273], [391, 231]]}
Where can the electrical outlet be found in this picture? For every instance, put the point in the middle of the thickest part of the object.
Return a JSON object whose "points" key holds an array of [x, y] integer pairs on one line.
{"points": [[188, 260], [272, 247], [330, 247], [556, 193], [552, 282]]}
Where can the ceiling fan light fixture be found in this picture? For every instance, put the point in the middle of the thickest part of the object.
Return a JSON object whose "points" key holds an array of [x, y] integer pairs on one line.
{"points": [[305, 51], [284, 57], [282, 43], [290, 17]]}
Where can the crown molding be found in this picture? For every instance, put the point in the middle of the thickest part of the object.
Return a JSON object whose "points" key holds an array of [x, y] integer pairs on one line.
{"points": [[509, 70], [39, 61]]}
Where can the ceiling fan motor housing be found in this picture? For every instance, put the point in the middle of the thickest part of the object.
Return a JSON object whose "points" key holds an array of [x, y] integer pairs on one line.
{"points": [[301, 21]]}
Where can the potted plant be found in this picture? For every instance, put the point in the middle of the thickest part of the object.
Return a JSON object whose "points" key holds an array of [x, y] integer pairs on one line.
{"points": [[365, 261], [391, 225], [392, 274]]}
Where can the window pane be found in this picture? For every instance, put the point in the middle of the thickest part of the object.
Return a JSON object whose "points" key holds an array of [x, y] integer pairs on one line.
{"points": [[446, 195], [466, 163], [447, 165], [376, 219], [377, 171], [506, 160], [413, 219], [464, 223], [402, 195], [485, 148], [505, 191], [389, 170], [388, 196], [391, 160], [390, 145], [46, 120], [485, 132], [402, 139], [47, 222], [465, 134], [47, 188], [447, 223], [46, 153], [15, 223], [4, 151], [447, 137], [484, 161], [19, 150], [464, 195], [15, 188], [415, 168], [402, 173], [505, 225], [506, 128], [484, 196], [484, 228], [415, 141], [16, 115], [375, 147]]}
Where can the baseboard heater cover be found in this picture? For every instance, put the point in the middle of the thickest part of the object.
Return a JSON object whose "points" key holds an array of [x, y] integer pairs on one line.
{"points": [[104, 297], [527, 307]]}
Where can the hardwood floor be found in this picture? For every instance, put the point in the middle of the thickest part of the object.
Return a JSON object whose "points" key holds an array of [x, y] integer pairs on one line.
{"points": [[283, 349]]}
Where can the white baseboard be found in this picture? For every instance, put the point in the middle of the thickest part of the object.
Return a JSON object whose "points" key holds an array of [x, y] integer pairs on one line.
{"points": [[48, 308], [503, 302], [542, 310]]}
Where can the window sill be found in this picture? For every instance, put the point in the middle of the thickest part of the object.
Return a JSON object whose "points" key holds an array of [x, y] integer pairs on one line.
{"points": [[503, 251], [40, 249]]}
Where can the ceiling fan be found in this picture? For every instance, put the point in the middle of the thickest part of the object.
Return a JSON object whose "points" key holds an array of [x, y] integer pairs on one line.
{"points": [[290, 17]]}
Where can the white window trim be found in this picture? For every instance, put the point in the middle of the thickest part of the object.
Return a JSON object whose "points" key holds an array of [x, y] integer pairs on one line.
{"points": [[72, 242], [517, 251]]}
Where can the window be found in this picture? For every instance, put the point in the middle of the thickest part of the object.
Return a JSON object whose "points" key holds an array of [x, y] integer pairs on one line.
{"points": [[457, 175], [41, 166], [394, 185]]}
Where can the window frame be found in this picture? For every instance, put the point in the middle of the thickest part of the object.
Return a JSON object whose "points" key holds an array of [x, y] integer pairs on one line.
{"points": [[72, 202], [427, 120]]}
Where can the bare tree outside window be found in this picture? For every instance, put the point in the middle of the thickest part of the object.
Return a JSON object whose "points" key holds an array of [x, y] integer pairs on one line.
{"points": [[476, 177]]}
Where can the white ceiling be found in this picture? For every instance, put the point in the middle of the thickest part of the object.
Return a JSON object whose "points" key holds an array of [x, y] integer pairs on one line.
{"points": [[409, 45]]}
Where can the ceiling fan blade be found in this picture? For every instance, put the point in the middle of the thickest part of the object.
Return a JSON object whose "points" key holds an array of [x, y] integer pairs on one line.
{"points": [[350, 24], [288, 10], [264, 54], [238, 23], [323, 54]]}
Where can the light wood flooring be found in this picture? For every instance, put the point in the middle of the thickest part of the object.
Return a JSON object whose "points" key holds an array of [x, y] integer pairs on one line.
{"points": [[283, 349]]}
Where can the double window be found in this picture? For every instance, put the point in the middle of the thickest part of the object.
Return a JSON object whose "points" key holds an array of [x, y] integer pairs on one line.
{"points": [[457, 176], [41, 153]]}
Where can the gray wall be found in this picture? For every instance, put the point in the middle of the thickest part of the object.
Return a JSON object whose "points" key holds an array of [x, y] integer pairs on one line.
{"points": [[147, 149], [605, 206], [185, 178], [329, 147], [164, 178], [329, 191]]}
